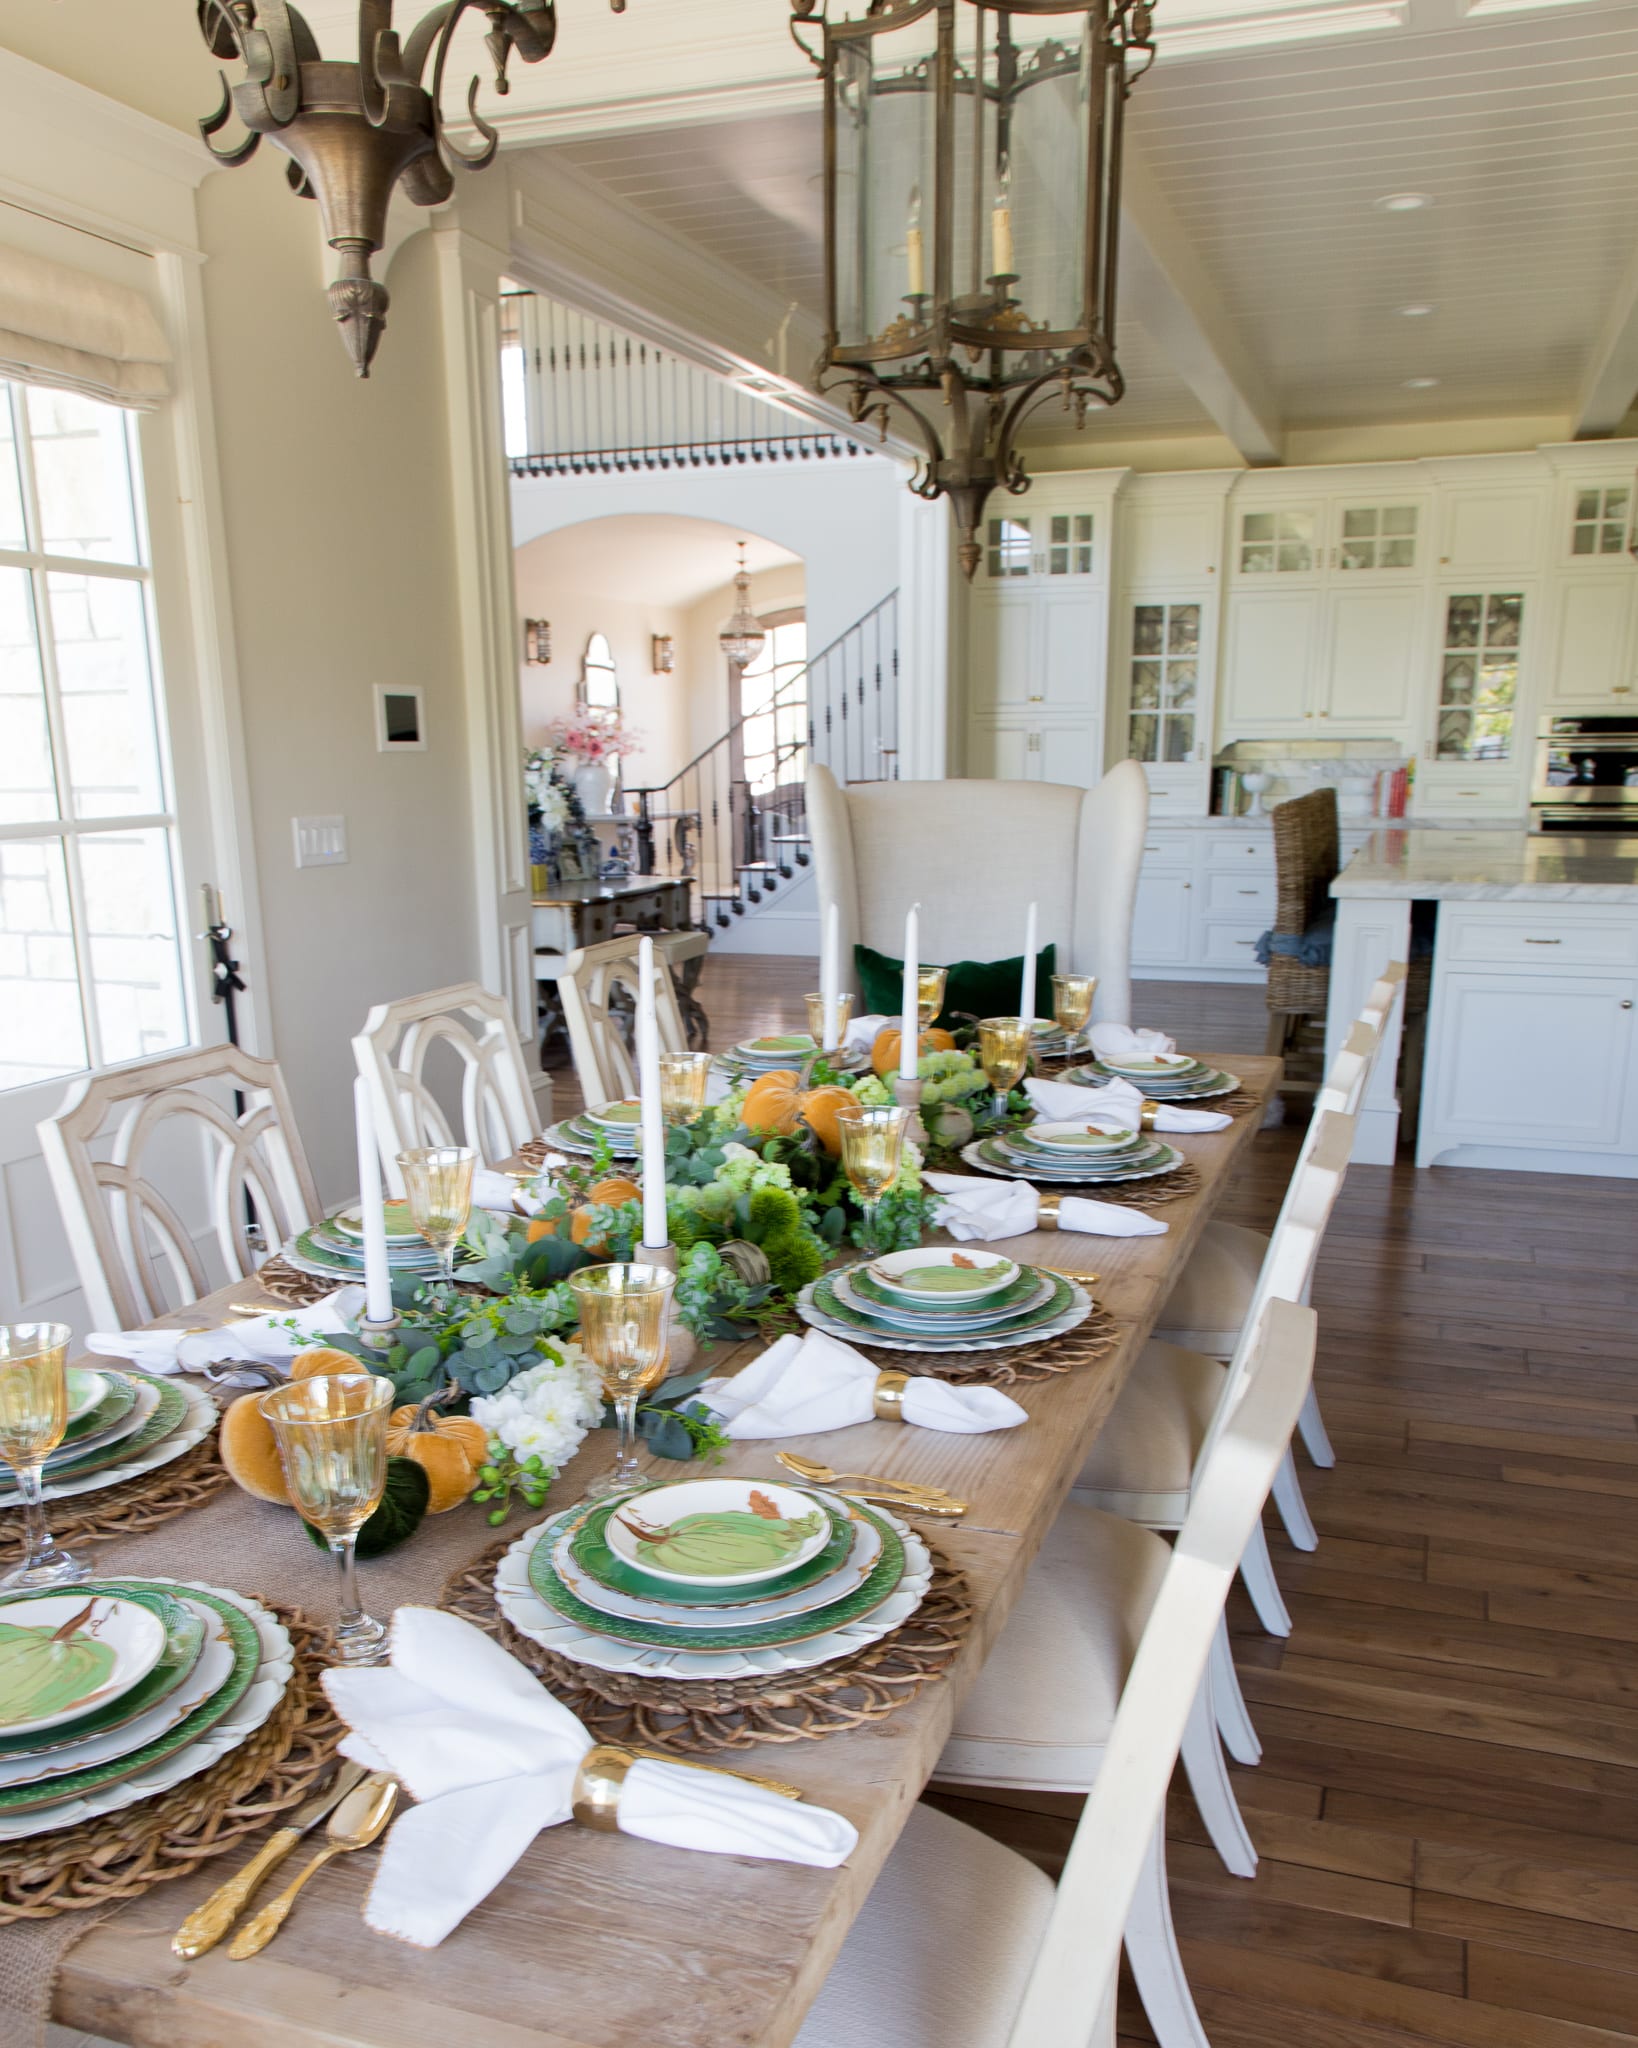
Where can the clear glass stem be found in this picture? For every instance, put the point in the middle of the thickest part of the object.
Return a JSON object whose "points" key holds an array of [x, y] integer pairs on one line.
{"points": [[350, 1613], [625, 1455], [1001, 1095], [872, 1232], [36, 1534]]}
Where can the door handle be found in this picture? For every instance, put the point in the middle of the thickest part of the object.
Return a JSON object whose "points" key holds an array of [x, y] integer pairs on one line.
{"points": [[1626, 1002], [1248, 892], [1544, 942]]}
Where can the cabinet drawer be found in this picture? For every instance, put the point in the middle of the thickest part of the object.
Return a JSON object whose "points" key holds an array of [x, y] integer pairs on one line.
{"points": [[1168, 849], [1547, 939], [1240, 849], [1232, 945], [1239, 895]]}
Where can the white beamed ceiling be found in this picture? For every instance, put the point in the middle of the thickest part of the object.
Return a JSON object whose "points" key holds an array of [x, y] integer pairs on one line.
{"points": [[1520, 123]]}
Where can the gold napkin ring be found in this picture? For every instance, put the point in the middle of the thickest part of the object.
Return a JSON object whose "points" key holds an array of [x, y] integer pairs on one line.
{"points": [[888, 1397], [1147, 1115], [597, 1787], [1046, 1215]]}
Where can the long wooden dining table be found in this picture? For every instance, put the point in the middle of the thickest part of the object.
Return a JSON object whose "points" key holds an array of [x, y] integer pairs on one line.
{"points": [[598, 1940]]}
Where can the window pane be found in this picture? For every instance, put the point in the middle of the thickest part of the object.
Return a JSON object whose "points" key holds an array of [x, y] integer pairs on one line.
{"points": [[1586, 504], [1358, 521], [1145, 685], [1399, 519], [1179, 738], [1502, 621], [1181, 677], [101, 634], [130, 915], [27, 786], [1257, 526], [1145, 735], [41, 1033], [82, 476], [1585, 536], [1185, 629], [11, 497], [1462, 619], [1147, 625]]}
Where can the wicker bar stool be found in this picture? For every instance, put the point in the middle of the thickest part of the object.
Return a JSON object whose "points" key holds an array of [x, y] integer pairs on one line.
{"points": [[1305, 865]]}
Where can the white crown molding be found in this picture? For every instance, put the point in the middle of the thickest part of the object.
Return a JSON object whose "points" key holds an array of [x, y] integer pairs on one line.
{"points": [[524, 127], [78, 156]]}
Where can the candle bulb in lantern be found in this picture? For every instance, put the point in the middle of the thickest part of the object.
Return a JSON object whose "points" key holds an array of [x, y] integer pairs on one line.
{"points": [[910, 1010], [655, 1232], [377, 1276], [830, 974], [1001, 223], [915, 248], [1026, 997]]}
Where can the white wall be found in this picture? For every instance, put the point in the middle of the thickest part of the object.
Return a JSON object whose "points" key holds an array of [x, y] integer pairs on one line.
{"points": [[841, 516]]}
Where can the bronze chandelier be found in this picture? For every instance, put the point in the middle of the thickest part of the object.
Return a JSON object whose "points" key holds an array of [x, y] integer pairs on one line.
{"points": [[356, 130], [972, 206]]}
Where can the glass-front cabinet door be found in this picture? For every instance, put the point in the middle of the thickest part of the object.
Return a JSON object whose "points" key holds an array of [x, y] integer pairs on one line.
{"points": [[1009, 546], [1479, 675], [1600, 520], [1069, 544], [1165, 682], [1278, 542], [1375, 537]]}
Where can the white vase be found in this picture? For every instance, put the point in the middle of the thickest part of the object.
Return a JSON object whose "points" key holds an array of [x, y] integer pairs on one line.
{"points": [[594, 785]]}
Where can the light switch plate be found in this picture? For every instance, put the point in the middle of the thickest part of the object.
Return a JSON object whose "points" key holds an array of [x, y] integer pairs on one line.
{"points": [[320, 842]]}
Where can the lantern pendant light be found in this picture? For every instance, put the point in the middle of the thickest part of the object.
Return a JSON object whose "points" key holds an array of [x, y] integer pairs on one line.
{"points": [[972, 205], [741, 639]]}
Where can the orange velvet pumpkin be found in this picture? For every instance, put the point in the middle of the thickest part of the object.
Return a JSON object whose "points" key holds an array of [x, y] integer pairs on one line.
{"points": [[773, 1104], [245, 1439], [820, 1109], [448, 1448], [610, 1194], [884, 1054]]}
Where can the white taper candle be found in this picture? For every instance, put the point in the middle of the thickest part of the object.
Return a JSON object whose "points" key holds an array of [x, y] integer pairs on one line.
{"points": [[909, 1019], [1026, 994], [655, 1232], [830, 972], [377, 1274]]}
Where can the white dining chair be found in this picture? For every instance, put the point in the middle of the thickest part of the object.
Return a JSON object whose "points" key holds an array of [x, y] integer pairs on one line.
{"points": [[1075, 853], [597, 987], [474, 1028], [1158, 1436], [175, 1176], [962, 1943]]}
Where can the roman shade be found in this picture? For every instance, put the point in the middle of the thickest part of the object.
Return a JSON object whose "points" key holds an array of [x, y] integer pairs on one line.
{"points": [[66, 328]]}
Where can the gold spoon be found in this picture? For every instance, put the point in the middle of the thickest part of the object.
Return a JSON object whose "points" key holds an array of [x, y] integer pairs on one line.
{"points": [[358, 1821], [932, 1497]]}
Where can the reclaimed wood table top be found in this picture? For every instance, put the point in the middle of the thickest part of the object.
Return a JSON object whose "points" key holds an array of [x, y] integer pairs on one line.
{"points": [[603, 1941]]}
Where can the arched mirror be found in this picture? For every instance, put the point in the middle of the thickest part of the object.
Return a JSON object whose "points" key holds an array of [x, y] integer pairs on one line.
{"points": [[599, 684]]}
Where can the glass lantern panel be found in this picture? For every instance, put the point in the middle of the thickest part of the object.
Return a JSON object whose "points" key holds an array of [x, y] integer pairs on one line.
{"points": [[885, 119]]}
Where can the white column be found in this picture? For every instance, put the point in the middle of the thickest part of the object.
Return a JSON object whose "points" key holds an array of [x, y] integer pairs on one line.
{"points": [[1371, 931], [929, 655], [471, 239]]}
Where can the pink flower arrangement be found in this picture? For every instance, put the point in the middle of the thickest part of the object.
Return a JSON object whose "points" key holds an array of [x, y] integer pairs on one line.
{"points": [[593, 736]]}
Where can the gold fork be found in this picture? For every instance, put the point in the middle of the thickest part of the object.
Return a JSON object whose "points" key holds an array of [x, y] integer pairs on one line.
{"points": [[932, 1498]]}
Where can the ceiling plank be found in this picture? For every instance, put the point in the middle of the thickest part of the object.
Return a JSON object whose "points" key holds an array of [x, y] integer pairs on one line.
{"points": [[1611, 382], [1165, 287]]}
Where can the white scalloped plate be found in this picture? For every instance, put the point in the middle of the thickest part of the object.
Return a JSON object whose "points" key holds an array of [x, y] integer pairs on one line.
{"points": [[194, 1427], [266, 1689], [530, 1616]]}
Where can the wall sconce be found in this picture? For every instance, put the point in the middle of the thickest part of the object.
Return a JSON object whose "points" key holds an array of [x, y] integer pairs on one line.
{"points": [[537, 641], [665, 654]]}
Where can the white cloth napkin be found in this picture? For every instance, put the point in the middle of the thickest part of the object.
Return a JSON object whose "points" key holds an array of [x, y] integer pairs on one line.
{"points": [[503, 1194], [1116, 1106], [263, 1340], [974, 1211], [802, 1386], [491, 1759], [860, 1034], [1121, 1042]]}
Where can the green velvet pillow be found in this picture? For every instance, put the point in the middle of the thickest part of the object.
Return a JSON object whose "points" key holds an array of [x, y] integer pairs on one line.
{"points": [[978, 988]]}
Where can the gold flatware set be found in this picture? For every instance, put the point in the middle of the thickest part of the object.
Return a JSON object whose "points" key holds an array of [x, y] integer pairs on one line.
{"points": [[908, 1494]]}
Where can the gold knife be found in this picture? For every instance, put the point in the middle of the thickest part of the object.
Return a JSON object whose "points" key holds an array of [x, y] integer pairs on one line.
{"points": [[206, 1924]]}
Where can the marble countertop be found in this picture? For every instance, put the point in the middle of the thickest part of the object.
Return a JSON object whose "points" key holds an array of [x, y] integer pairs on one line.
{"points": [[1162, 821], [1491, 866]]}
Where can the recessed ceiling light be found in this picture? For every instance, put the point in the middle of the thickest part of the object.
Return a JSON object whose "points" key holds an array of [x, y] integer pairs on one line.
{"points": [[1420, 383], [1403, 202], [1414, 312]]}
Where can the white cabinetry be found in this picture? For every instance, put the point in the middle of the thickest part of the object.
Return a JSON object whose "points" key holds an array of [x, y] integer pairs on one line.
{"points": [[1038, 635], [1206, 895], [1546, 993], [1325, 621], [1592, 664]]}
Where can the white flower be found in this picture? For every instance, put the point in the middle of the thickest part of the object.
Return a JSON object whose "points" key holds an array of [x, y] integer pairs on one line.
{"points": [[545, 1412]]}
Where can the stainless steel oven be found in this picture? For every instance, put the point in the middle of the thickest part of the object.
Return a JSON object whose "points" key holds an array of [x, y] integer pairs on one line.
{"points": [[1586, 777]]}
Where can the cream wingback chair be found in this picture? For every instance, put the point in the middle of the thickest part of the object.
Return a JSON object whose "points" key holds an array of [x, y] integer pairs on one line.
{"points": [[973, 854]]}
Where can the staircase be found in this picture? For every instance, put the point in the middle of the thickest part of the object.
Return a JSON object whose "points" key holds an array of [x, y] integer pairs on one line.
{"points": [[741, 847]]}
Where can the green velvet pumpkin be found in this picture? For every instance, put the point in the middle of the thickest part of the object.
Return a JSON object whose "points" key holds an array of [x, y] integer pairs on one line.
{"points": [[403, 1505]]}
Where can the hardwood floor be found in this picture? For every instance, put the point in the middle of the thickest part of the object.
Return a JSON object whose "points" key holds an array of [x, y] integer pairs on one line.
{"points": [[1447, 1806]]}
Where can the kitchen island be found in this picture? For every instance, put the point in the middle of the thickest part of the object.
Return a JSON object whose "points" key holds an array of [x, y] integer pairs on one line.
{"points": [[1531, 1058]]}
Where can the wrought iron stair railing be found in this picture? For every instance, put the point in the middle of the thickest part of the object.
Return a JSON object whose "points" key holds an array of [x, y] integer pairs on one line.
{"points": [[737, 839]]}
